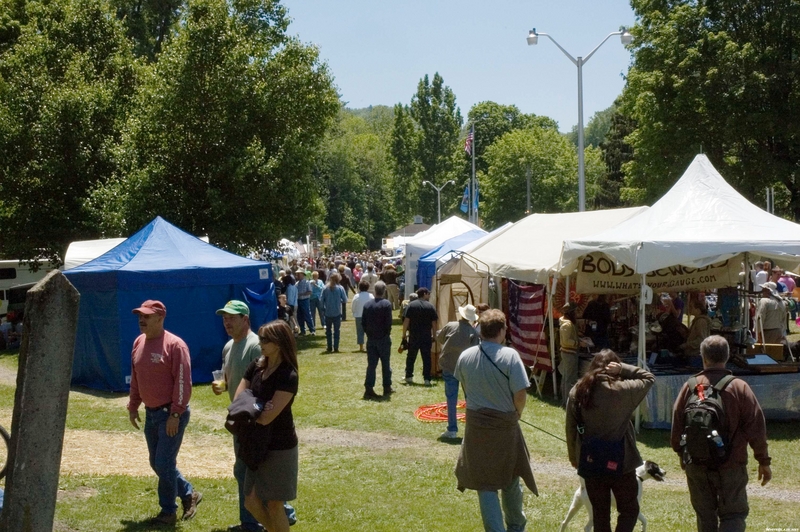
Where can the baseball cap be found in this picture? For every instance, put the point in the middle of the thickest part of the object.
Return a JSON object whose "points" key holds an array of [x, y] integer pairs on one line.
{"points": [[234, 306], [151, 307]]}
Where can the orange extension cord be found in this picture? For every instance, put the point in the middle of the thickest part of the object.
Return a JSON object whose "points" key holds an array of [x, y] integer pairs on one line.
{"points": [[438, 412]]}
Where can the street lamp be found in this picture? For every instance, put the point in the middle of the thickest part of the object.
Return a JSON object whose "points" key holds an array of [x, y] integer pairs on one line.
{"points": [[625, 38], [439, 195]]}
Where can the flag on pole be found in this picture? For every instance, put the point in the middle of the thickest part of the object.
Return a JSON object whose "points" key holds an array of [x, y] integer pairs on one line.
{"points": [[465, 200], [468, 142], [477, 196]]}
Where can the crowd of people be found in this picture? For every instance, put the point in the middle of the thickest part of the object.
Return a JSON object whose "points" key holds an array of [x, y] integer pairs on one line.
{"points": [[261, 375]]}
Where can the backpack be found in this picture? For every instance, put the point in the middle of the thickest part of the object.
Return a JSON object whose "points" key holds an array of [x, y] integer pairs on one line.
{"points": [[704, 440]]}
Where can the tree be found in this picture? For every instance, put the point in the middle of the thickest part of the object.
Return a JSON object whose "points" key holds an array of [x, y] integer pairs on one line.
{"points": [[405, 184], [347, 240], [553, 165], [424, 138], [352, 169], [491, 121], [148, 23], [719, 77], [226, 125], [66, 83], [596, 130], [616, 152]]}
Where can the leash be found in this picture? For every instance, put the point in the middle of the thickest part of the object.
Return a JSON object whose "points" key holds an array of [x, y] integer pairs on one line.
{"points": [[548, 433]]}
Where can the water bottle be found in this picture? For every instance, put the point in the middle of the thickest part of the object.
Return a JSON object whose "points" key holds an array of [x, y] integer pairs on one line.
{"points": [[717, 439]]}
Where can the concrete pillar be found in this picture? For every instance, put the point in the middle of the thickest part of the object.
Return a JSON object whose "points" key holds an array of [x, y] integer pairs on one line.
{"points": [[40, 405]]}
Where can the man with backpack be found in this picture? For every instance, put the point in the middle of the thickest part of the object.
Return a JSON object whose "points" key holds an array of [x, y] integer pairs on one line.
{"points": [[714, 418]]}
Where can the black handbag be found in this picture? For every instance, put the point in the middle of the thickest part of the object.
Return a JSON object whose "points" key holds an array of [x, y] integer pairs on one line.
{"points": [[599, 457]]}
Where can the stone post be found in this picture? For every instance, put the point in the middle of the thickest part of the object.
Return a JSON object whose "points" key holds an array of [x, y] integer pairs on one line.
{"points": [[40, 405]]}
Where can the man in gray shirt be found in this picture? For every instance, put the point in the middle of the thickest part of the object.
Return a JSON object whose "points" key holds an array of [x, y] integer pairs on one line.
{"points": [[242, 349], [494, 455]]}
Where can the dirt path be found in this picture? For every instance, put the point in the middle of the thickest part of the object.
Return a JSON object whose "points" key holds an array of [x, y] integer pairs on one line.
{"points": [[211, 456]]}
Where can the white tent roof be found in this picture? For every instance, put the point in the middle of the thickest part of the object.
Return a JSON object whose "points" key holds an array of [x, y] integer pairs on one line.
{"points": [[530, 249], [701, 220], [83, 251], [467, 248], [425, 241]]}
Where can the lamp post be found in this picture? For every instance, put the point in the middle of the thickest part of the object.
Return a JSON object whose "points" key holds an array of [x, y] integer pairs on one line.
{"points": [[625, 38], [439, 195]]}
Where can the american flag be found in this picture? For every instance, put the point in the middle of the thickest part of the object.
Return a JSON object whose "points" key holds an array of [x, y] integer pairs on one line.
{"points": [[526, 311], [468, 142]]}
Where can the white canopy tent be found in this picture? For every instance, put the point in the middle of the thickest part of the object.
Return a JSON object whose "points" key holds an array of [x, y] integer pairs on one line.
{"points": [[699, 221], [530, 249], [83, 251], [427, 240], [467, 248]]}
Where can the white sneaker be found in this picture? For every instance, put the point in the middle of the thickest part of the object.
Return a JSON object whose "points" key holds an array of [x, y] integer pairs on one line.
{"points": [[409, 380], [428, 383], [449, 435]]}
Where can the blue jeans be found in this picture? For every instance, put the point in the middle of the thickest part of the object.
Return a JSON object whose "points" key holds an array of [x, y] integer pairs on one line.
{"points": [[333, 323], [451, 394], [492, 515], [379, 350], [359, 332], [163, 451], [304, 315], [316, 308]]}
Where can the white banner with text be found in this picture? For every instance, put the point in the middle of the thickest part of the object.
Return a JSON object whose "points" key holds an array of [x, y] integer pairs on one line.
{"points": [[597, 274]]}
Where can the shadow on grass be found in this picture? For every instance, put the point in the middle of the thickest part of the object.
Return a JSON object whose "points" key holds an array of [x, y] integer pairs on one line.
{"points": [[143, 525], [98, 393]]}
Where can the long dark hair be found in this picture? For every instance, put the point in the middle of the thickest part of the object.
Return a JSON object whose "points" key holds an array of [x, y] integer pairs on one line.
{"points": [[585, 386], [280, 333]]}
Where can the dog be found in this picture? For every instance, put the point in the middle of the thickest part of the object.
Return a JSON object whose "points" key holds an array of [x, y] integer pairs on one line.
{"points": [[581, 498]]}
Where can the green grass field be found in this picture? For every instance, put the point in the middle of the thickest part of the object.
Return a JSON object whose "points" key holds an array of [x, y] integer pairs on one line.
{"points": [[364, 466]]}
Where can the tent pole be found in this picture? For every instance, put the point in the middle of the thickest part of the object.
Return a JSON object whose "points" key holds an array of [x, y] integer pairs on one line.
{"points": [[550, 292], [641, 355], [745, 306]]}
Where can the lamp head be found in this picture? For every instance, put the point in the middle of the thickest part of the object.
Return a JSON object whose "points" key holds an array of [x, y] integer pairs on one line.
{"points": [[533, 37], [426, 182], [625, 37]]}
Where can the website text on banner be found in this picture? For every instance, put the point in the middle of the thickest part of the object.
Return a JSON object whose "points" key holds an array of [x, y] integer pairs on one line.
{"points": [[597, 274]]}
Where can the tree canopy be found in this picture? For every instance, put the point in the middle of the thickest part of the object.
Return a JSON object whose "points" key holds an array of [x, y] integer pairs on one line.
{"points": [[718, 77], [552, 162]]}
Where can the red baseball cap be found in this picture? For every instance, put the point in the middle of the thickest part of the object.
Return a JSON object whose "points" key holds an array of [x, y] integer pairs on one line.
{"points": [[151, 307]]}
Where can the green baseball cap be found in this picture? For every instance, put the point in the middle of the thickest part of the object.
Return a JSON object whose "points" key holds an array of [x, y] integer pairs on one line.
{"points": [[234, 306]]}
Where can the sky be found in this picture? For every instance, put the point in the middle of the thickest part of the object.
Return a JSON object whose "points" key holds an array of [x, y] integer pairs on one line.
{"points": [[378, 50]]}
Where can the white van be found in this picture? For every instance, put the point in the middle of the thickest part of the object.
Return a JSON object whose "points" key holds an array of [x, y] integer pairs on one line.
{"points": [[12, 274]]}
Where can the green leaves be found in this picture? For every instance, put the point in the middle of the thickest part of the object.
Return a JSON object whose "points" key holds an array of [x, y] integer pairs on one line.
{"points": [[552, 162], [718, 77]]}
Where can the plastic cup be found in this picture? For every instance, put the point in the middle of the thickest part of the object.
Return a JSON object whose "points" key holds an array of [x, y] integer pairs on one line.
{"points": [[219, 377]]}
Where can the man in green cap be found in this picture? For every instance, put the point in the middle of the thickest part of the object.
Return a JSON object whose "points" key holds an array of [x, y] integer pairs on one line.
{"points": [[242, 349]]}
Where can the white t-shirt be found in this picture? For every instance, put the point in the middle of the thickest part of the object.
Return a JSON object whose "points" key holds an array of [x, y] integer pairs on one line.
{"points": [[760, 279], [359, 300]]}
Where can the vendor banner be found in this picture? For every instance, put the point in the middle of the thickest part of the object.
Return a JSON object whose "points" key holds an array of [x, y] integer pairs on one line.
{"points": [[597, 274]]}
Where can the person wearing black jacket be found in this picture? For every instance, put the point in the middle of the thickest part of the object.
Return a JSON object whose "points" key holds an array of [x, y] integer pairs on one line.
{"points": [[376, 320]]}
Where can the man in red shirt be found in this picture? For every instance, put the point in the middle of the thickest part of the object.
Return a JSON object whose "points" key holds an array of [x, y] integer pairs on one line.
{"points": [[161, 378]]}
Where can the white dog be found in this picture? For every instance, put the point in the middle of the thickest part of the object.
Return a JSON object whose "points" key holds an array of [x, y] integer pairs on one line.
{"points": [[581, 498]]}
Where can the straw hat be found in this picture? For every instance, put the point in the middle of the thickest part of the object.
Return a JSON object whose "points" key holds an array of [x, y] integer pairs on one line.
{"points": [[468, 312]]}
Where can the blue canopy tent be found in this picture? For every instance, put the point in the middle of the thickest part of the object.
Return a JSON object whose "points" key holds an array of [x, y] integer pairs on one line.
{"points": [[192, 278], [426, 267]]}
